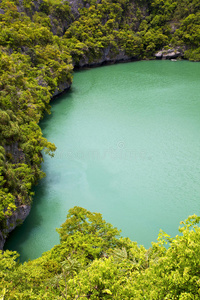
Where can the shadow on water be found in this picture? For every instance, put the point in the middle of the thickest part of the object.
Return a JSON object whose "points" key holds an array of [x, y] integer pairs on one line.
{"points": [[59, 100], [17, 237]]}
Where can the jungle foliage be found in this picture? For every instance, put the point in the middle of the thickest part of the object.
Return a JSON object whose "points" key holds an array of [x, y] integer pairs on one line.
{"points": [[93, 262], [33, 64]]}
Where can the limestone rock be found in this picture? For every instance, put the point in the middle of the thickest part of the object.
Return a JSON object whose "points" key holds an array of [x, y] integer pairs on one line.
{"points": [[2, 240], [159, 55], [169, 54], [107, 57], [64, 86], [16, 153], [17, 218]]}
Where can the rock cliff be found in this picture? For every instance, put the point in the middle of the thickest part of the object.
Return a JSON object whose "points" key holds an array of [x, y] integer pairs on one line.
{"points": [[16, 219], [172, 53]]}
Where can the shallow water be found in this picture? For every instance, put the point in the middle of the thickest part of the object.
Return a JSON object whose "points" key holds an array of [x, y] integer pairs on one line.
{"points": [[128, 146]]}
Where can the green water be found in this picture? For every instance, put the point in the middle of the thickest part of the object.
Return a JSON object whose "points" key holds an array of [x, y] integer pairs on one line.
{"points": [[128, 146]]}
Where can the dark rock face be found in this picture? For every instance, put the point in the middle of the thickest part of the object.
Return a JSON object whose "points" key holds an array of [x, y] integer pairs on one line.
{"points": [[61, 88], [2, 240], [17, 154], [107, 57], [78, 4], [17, 218], [75, 6], [35, 6]]}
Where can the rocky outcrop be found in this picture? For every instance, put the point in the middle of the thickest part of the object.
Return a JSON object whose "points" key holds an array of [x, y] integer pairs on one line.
{"points": [[2, 240], [76, 5], [64, 86], [14, 153], [29, 9], [17, 218], [107, 57], [169, 54]]}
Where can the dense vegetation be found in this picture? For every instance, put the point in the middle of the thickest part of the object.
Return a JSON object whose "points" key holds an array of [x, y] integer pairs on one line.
{"points": [[33, 64], [94, 262], [40, 43]]}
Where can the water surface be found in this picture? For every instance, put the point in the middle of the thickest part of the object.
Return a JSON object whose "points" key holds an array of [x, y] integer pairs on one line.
{"points": [[128, 146]]}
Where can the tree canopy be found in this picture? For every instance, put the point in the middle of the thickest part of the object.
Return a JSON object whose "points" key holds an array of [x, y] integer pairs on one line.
{"points": [[93, 261]]}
